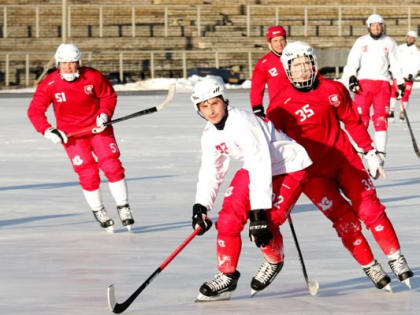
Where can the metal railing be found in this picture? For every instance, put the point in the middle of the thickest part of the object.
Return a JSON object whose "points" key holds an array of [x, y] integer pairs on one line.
{"points": [[22, 60], [167, 12]]}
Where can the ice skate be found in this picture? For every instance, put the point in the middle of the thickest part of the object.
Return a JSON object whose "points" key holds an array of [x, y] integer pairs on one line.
{"points": [[266, 273], [104, 220], [378, 276], [391, 116], [126, 216], [401, 270], [220, 288]]}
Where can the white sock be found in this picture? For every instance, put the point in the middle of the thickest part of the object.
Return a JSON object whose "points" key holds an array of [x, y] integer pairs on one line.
{"points": [[392, 102], [394, 256], [119, 192], [94, 199], [380, 140]]}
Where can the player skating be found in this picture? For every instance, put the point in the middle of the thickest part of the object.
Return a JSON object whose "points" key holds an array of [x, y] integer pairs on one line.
{"points": [[310, 111], [409, 58], [269, 70], [82, 96], [368, 65], [263, 190]]}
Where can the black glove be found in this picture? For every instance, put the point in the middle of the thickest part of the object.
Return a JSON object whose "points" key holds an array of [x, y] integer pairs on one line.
{"points": [[354, 84], [259, 231], [410, 78], [400, 91], [259, 111], [200, 218]]}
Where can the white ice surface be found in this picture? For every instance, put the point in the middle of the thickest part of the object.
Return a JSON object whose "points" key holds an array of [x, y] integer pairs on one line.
{"points": [[55, 260]]}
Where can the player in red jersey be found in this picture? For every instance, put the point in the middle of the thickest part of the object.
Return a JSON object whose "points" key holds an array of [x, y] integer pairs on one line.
{"points": [[310, 111], [269, 70], [83, 97]]}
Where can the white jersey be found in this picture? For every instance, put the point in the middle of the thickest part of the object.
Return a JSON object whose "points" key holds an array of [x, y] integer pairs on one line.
{"points": [[409, 57], [372, 59], [264, 151]]}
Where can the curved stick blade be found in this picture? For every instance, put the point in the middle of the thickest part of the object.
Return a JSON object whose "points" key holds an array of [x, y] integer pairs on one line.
{"points": [[111, 297], [169, 97], [313, 287]]}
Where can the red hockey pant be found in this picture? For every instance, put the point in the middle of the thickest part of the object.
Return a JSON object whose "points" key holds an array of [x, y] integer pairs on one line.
{"points": [[93, 152], [376, 93], [234, 215], [350, 180]]}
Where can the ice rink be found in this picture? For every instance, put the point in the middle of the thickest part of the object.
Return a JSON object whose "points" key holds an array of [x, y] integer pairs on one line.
{"points": [[55, 260]]}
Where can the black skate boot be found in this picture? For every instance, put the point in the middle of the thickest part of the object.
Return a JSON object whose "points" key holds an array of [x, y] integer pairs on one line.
{"points": [[126, 216], [401, 270], [102, 217], [266, 273], [220, 288], [378, 276]]}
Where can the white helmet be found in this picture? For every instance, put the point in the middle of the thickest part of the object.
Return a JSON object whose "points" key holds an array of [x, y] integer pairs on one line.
{"points": [[374, 18], [412, 34], [206, 89], [67, 53], [299, 49]]}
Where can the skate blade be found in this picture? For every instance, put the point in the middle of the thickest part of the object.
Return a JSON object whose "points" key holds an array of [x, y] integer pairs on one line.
{"points": [[109, 229], [407, 283], [128, 227], [221, 297], [387, 288], [254, 292]]}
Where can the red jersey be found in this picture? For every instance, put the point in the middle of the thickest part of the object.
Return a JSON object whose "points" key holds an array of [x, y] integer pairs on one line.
{"points": [[268, 70], [313, 120], [76, 104]]}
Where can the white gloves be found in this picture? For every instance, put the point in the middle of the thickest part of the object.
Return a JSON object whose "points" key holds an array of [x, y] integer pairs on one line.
{"points": [[101, 119], [374, 164], [55, 135]]}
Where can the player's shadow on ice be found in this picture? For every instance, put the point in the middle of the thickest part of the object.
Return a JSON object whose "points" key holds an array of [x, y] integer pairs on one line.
{"points": [[156, 227], [69, 184], [345, 287], [25, 220]]}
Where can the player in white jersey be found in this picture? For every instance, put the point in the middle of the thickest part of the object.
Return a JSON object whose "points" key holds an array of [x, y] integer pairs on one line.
{"points": [[368, 65], [409, 57], [264, 190]]}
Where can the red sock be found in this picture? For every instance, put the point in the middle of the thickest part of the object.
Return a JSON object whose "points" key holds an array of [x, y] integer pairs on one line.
{"points": [[273, 252], [359, 248], [228, 251], [384, 234]]}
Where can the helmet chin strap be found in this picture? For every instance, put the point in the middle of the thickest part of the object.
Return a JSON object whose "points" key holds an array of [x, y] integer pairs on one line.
{"points": [[273, 51], [70, 76]]}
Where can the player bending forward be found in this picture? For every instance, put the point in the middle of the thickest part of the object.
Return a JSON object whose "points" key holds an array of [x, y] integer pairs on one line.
{"points": [[82, 96], [310, 111], [264, 190]]}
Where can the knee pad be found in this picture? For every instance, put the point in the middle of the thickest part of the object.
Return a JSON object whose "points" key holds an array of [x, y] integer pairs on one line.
{"points": [[380, 123], [112, 169], [88, 176], [347, 225]]}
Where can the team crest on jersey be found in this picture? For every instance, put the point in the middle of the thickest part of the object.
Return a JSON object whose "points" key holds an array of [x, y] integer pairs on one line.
{"points": [[334, 100], [229, 191], [364, 48], [325, 204], [77, 160], [89, 89], [273, 72]]}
